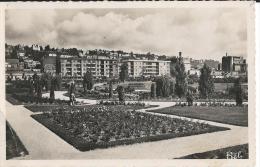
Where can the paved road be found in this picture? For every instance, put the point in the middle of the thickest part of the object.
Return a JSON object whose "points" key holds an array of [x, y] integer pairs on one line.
{"points": [[43, 144]]}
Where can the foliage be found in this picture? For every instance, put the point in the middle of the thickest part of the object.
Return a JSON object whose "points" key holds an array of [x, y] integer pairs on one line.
{"points": [[238, 91], [110, 89], [71, 91], [171, 87], [181, 82], [106, 126], [206, 82], [163, 84], [123, 75], [172, 66], [121, 93], [88, 81], [52, 94], [153, 90], [222, 153], [58, 82], [31, 90], [58, 64], [189, 98], [46, 81], [14, 146]]}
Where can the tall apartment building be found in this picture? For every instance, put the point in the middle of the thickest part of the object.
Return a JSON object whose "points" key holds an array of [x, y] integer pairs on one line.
{"points": [[100, 66], [109, 66], [234, 64], [137, 68]]}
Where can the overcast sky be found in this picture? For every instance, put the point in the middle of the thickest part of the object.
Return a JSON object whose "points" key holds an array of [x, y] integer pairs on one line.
{"points": [[198, 33]]}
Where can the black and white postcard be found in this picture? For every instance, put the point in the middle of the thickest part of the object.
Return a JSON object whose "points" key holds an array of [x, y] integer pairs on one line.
{"points": [[128, 84]]}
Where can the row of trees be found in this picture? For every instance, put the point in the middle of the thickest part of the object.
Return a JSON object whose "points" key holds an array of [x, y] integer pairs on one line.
{"points": [[45, 82], [163, 86]]}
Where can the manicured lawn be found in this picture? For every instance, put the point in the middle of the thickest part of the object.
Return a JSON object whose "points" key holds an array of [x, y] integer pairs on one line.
{"points": [[14, 147], [99, 126], [229, 115], [241, 151]]}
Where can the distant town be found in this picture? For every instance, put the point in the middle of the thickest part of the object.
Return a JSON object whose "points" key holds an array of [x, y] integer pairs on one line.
{"points": [[23, 61]]}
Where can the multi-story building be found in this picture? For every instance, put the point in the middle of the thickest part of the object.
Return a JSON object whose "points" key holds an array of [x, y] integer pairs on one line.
{"points": [[100, 66], [137, 68], [109, 66], [234, 64]]}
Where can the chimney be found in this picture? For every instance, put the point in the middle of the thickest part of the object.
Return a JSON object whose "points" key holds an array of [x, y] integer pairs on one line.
{"points": [[179, 53], [226, 54]]}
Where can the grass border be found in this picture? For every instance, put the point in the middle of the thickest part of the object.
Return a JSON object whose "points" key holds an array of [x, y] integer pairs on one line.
{"points": [[196, 117], [19, 143]]}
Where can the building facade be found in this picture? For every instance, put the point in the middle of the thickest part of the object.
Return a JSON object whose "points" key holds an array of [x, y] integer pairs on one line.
{"points": [[234, 64], [100, 66], [107, 66], [138, 68]]}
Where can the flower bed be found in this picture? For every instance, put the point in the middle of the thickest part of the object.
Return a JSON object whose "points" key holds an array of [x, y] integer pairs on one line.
{"points": [[240, 151], [62, 107], [102, 126]]}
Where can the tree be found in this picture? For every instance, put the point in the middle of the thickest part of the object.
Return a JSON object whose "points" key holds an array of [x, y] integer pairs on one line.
{"points": [[166, 86], [189, 98], [206, 82], [238, 92], [172, 66], [31, 90], [153, 90], [39, 89], [181, 82], [87, 81], [72, 89], [46, 81], [47, 48], [171, 87], [121, 93], [110, 89], [14, 54], [163, 86], [53, 85], [8, 78], [123, 75], [58, 82], [58, 65]]}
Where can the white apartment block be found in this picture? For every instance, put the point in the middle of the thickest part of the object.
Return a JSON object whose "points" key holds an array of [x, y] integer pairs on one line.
{"points": [[107, 66], [137, 68], [100, 66]]}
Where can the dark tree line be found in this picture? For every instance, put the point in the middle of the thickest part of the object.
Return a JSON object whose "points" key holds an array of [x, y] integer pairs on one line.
{"points": [[45, 82]]}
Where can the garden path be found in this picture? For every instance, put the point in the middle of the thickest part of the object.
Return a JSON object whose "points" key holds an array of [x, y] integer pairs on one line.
{"points": [[41, 143]]}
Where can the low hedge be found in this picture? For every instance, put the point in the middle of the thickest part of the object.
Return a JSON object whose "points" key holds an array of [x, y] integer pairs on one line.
{"points": [[82, 145], [24, 98]]}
